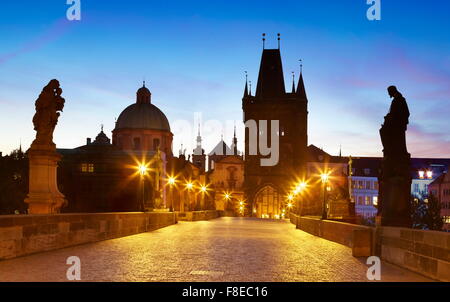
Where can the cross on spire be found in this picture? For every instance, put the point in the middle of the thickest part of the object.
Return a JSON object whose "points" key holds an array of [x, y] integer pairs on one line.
{"points": [[264, 40], [278, 35]]}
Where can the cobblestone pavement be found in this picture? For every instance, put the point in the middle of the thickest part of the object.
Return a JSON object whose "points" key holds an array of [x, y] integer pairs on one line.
{"points": [[225, 249]]}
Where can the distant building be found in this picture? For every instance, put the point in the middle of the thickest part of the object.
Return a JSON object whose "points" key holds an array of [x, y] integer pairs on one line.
{"points": [[424, 172], [226, 176], [102, 176], [221, 151], [364, 185], [198, 154], [440, 188]]}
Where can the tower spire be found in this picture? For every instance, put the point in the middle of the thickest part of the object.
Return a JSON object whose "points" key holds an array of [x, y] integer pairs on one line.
{"points": [[246, 85], [301, 92], [250, 91], [234, 144], [293, 82]]}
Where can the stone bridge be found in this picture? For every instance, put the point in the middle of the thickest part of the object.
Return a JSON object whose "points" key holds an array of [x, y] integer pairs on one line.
{"points": [[222, 249]]}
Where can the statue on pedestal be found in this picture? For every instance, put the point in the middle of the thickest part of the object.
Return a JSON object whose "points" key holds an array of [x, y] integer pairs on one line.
{"points": [[395, 179], [47, 113], [44, 196]]}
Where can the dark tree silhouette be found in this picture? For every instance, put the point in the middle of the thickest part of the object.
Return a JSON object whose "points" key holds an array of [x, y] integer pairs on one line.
{"points": [[13, 182], [433, 219], [426, 213]]}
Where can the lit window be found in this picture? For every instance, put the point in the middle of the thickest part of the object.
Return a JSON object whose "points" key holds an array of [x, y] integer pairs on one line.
{"points": [[375, 200], [87, 168]]}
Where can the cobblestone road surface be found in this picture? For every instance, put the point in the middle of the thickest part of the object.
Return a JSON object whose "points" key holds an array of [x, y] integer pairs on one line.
{"points": [[225, 249]]}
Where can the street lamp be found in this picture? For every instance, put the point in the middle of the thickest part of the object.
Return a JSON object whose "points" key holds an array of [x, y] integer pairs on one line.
{"points": [[203, 189], [171, 180], [142, 169], [324, 178]]}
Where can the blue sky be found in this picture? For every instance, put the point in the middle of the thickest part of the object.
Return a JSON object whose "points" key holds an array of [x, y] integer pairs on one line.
{"points": [[193, 55]]}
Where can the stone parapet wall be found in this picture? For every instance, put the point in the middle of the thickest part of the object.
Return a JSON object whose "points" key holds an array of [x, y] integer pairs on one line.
{"points": [[197, 215], [27, 234], [422, 251], [357, 237]]}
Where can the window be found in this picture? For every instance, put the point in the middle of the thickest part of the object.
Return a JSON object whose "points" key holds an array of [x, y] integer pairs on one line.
{"points": [[136, 143], [368, 185], [366, 171], [368, 201], [416, 188], [87, 168], [155, 143], [375, 200], [360, 184], [360, 200], [375, 185]]}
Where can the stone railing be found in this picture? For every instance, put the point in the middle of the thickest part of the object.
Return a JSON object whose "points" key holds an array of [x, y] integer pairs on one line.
{"points": [[357, 237], [27, 234], [422, 251], [197, 215], [425, 252]]}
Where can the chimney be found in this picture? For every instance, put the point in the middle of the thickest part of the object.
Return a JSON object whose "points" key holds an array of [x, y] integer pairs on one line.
{"points": [[88, 141]]}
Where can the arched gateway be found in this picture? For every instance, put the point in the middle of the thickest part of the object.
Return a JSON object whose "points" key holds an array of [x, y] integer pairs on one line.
{"points": [[268, 203]]}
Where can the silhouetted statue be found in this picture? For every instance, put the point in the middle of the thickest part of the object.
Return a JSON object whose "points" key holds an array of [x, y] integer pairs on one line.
{"points": [[44, 196], [47, 106], [395, 178]]}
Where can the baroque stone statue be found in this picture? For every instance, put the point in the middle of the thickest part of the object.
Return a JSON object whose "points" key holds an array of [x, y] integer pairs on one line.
{"points": [[395, 179], [43, 194], [48, 105]]}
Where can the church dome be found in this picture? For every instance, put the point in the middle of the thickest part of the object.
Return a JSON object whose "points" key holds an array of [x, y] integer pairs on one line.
{"points": [[143, 114]]}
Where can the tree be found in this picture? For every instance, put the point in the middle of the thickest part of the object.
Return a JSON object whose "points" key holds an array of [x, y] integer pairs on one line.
{"points": [[426, 213], [432, 218], [13, 182]]}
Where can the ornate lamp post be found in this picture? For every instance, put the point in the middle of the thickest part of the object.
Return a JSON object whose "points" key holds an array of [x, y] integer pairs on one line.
{"points": [[189, 187], [171, 180], [142, 173], [324, 178], [203, 190]]}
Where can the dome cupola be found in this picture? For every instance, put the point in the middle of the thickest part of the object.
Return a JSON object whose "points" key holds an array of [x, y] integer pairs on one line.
{"points": [[143, 95]]}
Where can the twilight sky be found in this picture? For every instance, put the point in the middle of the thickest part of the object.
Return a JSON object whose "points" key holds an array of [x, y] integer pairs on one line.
{"points": [[193, 55]]}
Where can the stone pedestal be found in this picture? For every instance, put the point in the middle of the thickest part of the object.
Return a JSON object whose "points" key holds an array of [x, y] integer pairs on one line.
{"points": [[43, 195], [395, 193]]}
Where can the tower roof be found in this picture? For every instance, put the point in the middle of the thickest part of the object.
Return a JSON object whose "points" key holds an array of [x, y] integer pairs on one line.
{"points": [[301, 92], [221, 149], [270, 78]]}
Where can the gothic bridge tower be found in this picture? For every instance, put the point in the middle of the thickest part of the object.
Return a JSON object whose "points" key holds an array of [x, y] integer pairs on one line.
{"points": [[266, 187]]}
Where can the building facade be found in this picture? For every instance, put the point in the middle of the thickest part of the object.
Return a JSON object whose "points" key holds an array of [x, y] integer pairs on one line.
{"points": [[364, 185], [127, 174], [440, 188]]}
